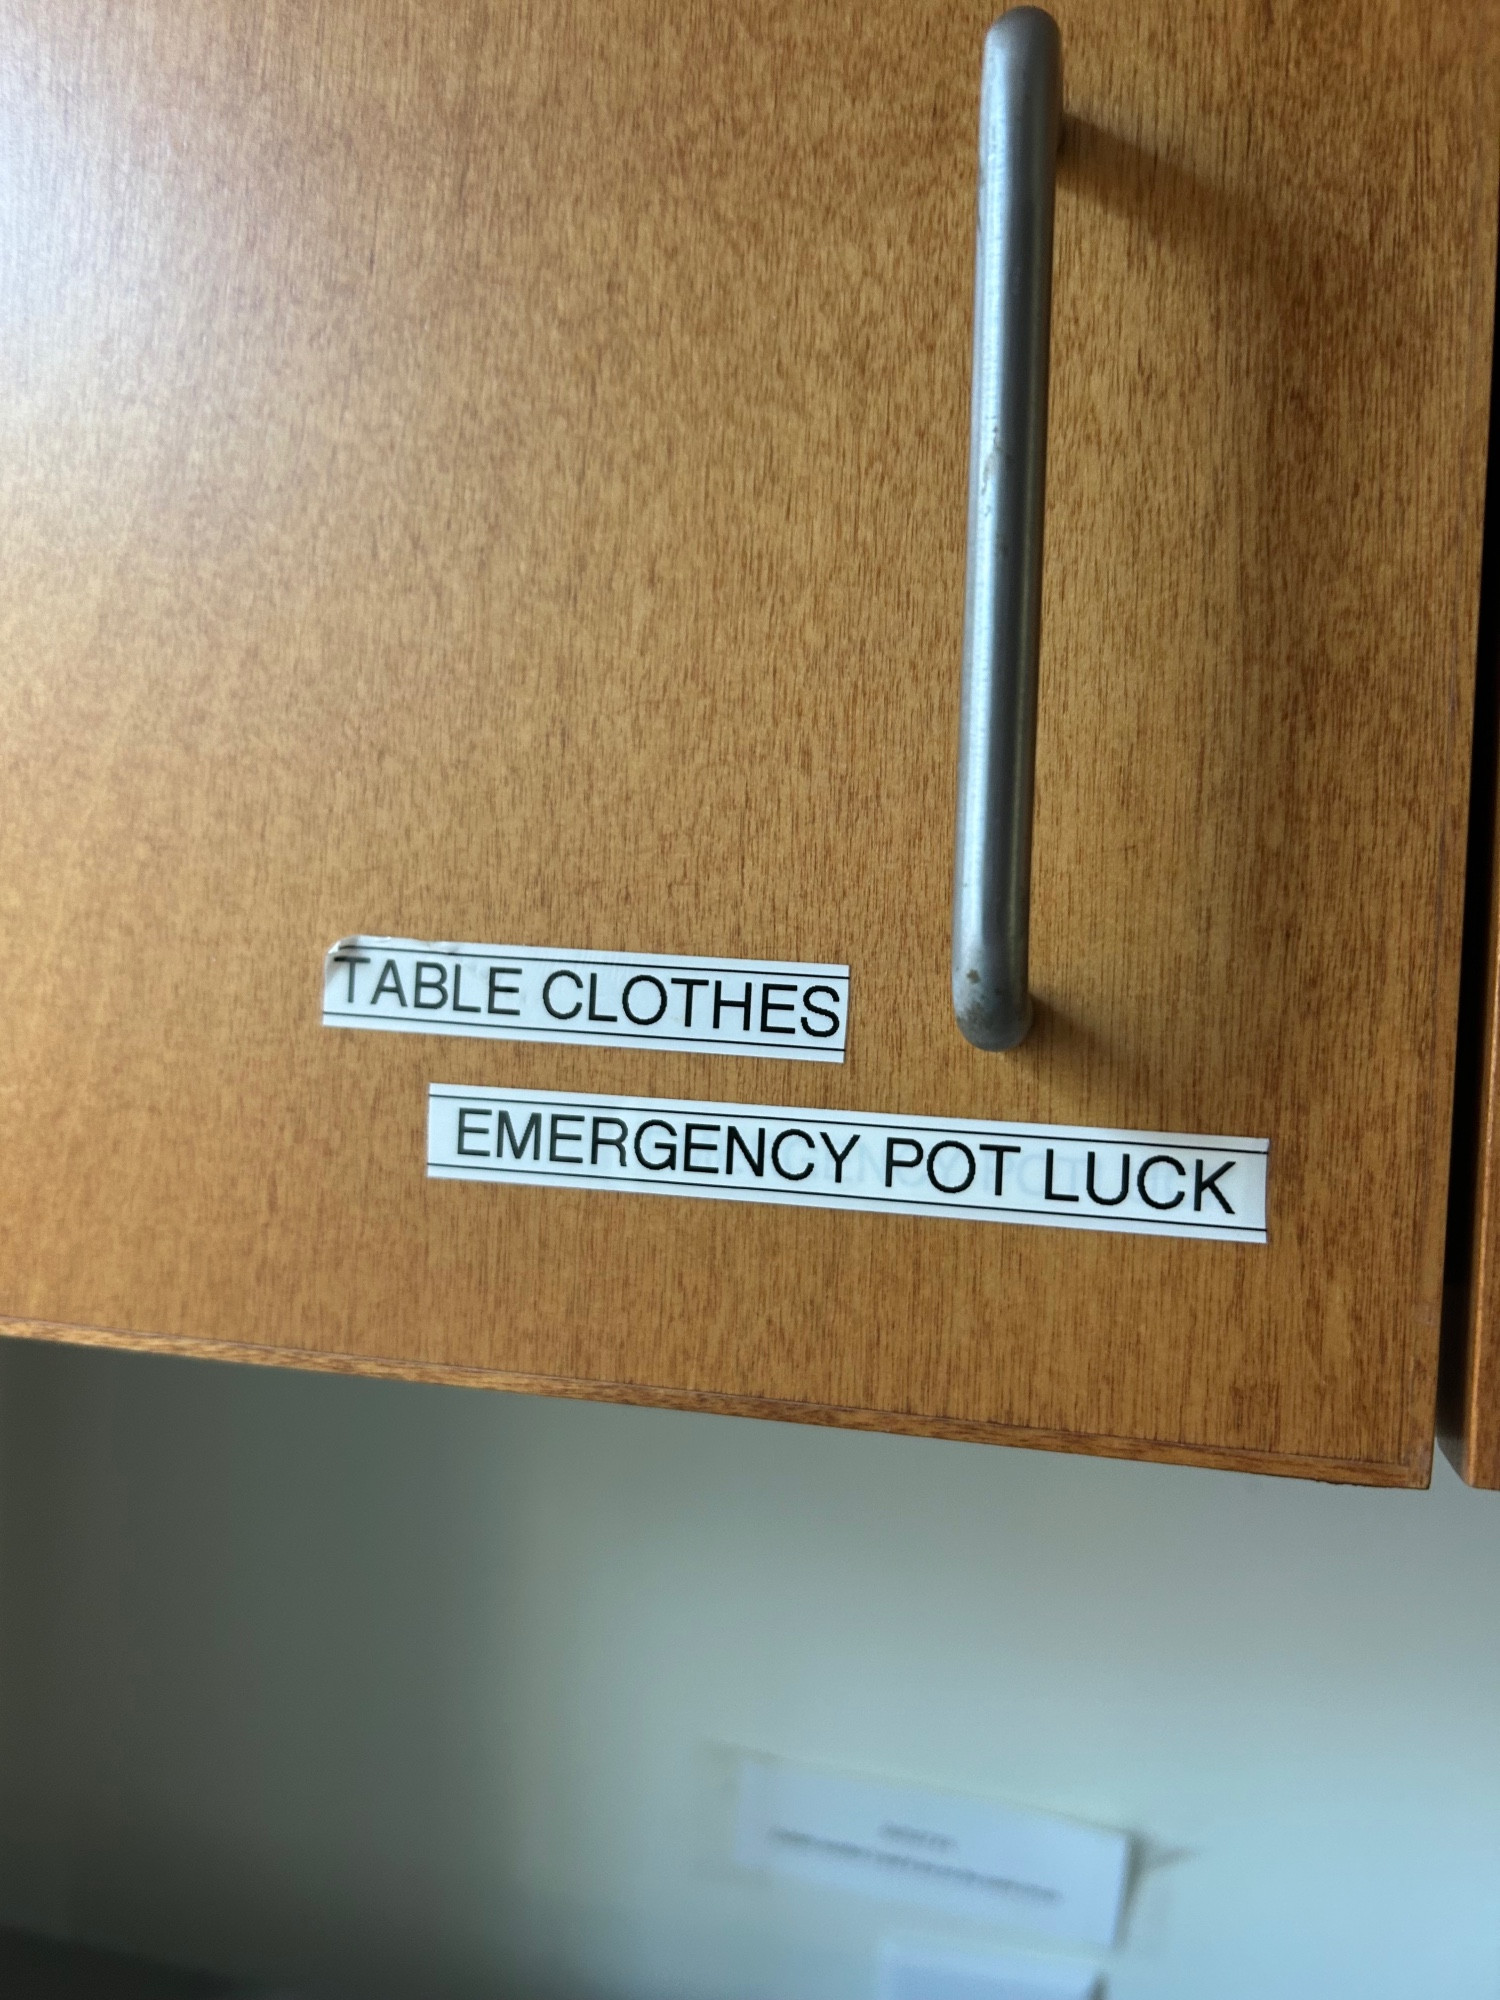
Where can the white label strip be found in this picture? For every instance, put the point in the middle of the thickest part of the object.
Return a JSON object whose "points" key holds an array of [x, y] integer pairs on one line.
{"points": [[1139, 1183], [603, 999]]}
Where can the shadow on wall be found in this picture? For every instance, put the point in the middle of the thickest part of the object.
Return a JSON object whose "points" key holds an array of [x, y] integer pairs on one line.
{"points": [[381, 1690]]}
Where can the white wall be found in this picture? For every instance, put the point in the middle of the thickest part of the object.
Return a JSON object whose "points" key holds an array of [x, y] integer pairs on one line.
{"points": [[416, 1691]]}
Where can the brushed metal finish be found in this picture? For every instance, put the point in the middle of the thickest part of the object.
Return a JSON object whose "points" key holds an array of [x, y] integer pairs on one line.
{"points": [[1019, 117]]}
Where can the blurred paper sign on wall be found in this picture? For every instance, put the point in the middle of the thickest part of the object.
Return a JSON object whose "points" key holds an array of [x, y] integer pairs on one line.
{"points": [[1027, 1871], [915, 1970]]}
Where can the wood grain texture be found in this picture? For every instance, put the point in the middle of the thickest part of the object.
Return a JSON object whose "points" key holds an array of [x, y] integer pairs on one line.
{"points": [[440, 1374], [498, 471]]}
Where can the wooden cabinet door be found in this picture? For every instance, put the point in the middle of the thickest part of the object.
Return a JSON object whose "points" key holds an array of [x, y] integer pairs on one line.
{"points": [[497, 472]]}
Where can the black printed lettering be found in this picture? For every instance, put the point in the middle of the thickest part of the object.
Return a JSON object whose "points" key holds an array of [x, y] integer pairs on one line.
{"points": [[768, 1006], [616, 1139], [1209, 1184], [999, 1153], [740, 1006], [666, 1153], [458, 1005], [496, 988], [594, 1014], [388, 982], [467, 1130], [951, 1146], [1051, 1193], [690, 1145], [558, 1137], [755, 1161], [838, 1157], [1108, 1200], [426, 985], [644, 1020], [792, 1132], [351, 959], [561, 1013], [687, 986], [917, 1153], [823, 1013], [531, 1135], [1159, 1160]]}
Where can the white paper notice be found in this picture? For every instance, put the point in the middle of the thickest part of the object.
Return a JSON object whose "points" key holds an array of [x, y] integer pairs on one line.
{"points": [[603, 999], [921, 1971], [1025, 1870], [1062, 1176]]}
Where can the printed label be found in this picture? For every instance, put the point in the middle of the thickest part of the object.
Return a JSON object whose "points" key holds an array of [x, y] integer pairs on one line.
{"points": [[973, 1857], [518, 993], [1071, 1177]]}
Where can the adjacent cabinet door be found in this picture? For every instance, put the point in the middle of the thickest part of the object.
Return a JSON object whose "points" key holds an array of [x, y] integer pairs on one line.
{"points": [[497, 472]]}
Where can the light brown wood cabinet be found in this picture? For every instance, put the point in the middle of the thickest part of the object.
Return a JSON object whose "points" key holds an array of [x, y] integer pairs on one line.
{"points": [[497, 471]]}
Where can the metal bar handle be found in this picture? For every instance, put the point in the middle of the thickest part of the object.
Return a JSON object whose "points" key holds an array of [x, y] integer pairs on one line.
{"points": [[1020, 110]]}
